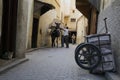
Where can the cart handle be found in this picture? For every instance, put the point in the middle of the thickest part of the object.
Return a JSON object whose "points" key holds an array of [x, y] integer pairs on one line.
{"points": [[106, 25]]}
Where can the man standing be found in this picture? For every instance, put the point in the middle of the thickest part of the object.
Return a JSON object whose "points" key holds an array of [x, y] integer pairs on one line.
{"points": [[66, 37]]}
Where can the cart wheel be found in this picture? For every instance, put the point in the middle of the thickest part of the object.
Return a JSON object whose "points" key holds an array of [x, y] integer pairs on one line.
{"points": [[78, 47], [87, 56]]}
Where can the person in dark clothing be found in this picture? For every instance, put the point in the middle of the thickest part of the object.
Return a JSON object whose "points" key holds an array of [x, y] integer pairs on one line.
{"points": [[62, 40]]}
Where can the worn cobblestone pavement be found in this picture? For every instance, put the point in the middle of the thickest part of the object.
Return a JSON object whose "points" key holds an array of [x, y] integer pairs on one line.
{"points": [[50, 64]]}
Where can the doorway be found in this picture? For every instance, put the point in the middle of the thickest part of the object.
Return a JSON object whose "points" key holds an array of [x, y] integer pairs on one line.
{"points": [[35, 32], [70, 36], [9, 25]]}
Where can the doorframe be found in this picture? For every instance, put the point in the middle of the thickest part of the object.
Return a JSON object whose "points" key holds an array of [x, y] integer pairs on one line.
{"points": [[34, 33]]}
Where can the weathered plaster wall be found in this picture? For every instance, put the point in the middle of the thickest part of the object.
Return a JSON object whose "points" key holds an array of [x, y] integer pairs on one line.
{"points": [[0, 15], [112, 12], [76, 15], [22, 27], [30, 22], [45, 20], [81, 29]]}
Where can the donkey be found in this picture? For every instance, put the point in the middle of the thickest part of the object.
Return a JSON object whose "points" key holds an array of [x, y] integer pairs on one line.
{"points": [[55, 34]]}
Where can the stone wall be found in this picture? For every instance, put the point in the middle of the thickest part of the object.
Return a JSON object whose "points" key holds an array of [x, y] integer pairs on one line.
{"points": [[0, 15], [112, 12], [95, 3]]}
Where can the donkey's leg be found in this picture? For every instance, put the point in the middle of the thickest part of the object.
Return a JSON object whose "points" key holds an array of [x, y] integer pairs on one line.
{"points": [[54, 41]]}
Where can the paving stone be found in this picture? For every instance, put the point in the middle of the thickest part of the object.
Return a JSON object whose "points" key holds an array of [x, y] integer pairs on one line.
{"points": [[50, 64]]}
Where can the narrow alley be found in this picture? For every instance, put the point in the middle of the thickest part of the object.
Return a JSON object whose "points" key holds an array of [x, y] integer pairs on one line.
{"points": [[38, 25], [50, 64]]}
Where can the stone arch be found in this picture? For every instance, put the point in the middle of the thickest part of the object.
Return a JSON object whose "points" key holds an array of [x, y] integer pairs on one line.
{"points": [[90, 10]]}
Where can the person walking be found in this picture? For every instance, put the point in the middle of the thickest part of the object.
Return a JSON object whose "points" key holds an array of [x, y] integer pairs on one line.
{"points": [[73, 39], [62, 35]]}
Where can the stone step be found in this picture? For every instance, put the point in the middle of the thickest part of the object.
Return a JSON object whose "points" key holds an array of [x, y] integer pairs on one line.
{"points": [[12, 64]]}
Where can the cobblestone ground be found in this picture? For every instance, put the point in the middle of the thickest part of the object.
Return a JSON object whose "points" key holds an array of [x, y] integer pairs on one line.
{"points": [[50, 64]]}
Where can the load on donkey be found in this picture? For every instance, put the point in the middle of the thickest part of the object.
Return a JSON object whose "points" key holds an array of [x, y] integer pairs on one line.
{"points": [[55, 33]]}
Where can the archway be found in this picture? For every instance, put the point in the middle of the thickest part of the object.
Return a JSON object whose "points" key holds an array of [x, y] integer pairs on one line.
{"points": [[40, 8], [90, 12]]}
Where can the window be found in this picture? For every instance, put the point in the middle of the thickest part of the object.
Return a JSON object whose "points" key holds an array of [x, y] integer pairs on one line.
{"points": [[73, 20]]}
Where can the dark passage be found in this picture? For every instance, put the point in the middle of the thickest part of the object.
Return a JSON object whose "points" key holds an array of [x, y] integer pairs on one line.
{"points": [[35, 33]]}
